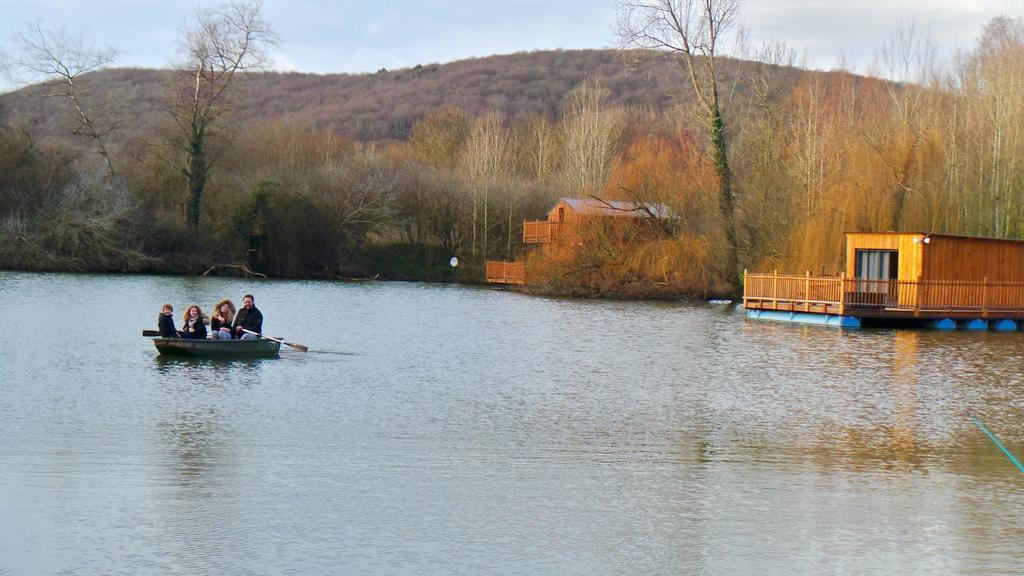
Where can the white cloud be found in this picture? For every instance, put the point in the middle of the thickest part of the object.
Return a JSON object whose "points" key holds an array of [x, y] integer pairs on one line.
{"points": [[824, 31]]}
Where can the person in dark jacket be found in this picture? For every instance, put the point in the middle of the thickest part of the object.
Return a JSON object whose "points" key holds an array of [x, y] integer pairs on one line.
{"points": [[165, 322], [193, 323], [248, 318]]}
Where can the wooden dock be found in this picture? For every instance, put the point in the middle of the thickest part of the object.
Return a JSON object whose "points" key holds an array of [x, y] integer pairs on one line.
{"points": [[863, 298], [499, 272]]}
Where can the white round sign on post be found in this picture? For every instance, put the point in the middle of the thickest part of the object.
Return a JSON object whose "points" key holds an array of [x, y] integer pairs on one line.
{"points": [[454, 261]]}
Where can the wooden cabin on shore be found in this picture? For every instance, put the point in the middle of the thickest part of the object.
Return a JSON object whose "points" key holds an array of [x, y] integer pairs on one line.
{"points": [[567, 221], [942, 279], [568, 224]]}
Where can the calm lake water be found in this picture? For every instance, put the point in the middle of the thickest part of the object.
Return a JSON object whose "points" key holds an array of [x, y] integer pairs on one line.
{"points": [[442, 429]]}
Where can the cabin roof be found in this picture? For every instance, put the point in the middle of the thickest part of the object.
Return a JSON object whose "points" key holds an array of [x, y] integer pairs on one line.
{"points": [[620, 208], [940, 235]]}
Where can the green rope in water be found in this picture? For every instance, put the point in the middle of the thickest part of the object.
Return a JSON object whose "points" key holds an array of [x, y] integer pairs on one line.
{"points": [[998, 443]]}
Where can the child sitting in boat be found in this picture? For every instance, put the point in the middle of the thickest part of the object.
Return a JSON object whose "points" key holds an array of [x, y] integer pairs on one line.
{"points": [[165, 322], [220, 324], [193, 323]]}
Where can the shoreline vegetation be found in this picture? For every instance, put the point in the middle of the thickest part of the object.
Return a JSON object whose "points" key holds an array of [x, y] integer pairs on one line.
{"points": [[389, 175], [401, 263]]}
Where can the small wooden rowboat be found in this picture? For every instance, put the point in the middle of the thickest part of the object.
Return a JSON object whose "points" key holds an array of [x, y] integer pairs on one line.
{"points": [[218, 348]]}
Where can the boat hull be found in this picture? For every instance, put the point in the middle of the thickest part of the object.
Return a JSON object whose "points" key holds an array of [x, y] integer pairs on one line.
{"points": [[260, 347]]}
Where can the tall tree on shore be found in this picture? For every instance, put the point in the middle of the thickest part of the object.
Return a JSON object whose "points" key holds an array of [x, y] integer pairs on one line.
{"points": [[542, 148], [990, 115], [484, 159], [439, 136], [60, 60], [690, 32], [592, 132], [219, 46]]}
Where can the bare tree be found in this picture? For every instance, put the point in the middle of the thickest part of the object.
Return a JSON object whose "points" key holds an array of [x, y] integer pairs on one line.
{"points": [[483, 160], [5, 66], [990, 81], [221, 44], [908, 60], [439, 136], [60, 60], [690, 31], [542, 149], [5, 76], [593, 136]]}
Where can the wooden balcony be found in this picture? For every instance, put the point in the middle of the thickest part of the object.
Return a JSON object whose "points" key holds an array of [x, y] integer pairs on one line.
{"points": [[884, 298], [536, 232], [499, 272]]}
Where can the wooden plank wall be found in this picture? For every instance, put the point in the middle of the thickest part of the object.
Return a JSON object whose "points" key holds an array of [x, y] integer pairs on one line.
{"points": [[500, 272], [570, 214], [910, 258], [958, 258], [943, 257], [536, 232]]}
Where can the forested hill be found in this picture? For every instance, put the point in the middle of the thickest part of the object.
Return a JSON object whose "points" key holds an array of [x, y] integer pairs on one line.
{"points": [[390, 174], [387, 104]]}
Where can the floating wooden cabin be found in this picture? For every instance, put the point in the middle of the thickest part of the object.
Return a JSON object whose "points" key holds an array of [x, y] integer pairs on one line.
{"points": [[944, 280], [567, 224]]}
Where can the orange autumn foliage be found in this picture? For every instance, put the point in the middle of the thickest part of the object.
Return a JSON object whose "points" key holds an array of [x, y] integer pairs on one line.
{"points": [[643, 257], [670, 170]]}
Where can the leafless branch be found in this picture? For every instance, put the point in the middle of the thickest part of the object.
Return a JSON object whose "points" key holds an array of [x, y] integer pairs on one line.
{"points": [[214, 49], [59, 60]]}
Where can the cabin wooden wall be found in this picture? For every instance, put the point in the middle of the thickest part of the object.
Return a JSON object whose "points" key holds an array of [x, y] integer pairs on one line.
{"points": [[571, 216], [910, 261], [943, 257], [911, 256], [958, 258], [568, 233]]}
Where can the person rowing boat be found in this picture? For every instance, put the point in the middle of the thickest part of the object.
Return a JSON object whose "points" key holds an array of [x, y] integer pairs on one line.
{"points": [[249, 319], [248, 324]]}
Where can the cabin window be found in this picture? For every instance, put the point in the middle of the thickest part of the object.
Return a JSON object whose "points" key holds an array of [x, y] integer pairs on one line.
{"points": [[561, 214], [875, 269], [877, 264]]}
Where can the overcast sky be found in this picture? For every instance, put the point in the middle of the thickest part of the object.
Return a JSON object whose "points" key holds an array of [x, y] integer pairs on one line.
{"points": [[361, 36]]}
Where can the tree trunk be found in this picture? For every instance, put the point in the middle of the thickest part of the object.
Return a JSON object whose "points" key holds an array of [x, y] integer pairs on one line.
{"points": [[725, 196], [198, 167], [472, 246], [485, 231], [508, 247]]}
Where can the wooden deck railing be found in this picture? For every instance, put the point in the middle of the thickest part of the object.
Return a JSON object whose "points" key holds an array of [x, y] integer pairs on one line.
{"points": [[837, 294], [545, 232], [499, 272], [536, 232]]}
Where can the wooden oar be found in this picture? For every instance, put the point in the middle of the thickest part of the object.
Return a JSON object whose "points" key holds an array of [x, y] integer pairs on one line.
{"points": [[296, 346], [155, 334]]}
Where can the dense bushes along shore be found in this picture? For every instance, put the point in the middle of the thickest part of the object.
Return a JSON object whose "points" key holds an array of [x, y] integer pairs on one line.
{"points": [[813, 155]]}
